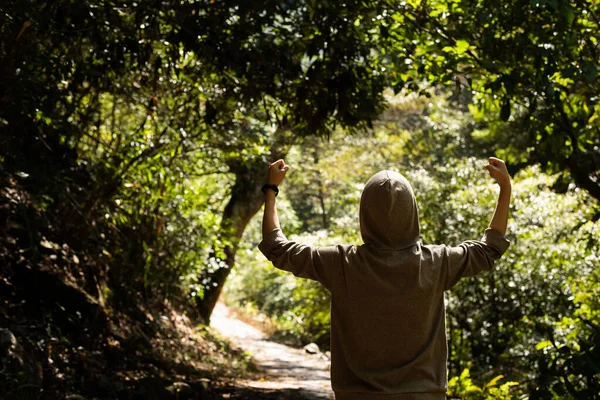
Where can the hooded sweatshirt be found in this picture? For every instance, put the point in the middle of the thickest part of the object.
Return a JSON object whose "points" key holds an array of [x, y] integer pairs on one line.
{"points": [[388, 329]]}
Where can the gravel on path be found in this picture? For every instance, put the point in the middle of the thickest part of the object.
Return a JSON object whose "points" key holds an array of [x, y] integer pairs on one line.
{"points": [[284, 372]]}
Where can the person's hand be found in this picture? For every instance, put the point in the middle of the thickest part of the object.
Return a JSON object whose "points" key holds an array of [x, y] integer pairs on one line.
{"points": [[277, 171], [498, 171]]}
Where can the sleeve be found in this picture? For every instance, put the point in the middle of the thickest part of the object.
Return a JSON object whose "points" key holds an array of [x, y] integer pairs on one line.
{"points": [[316, 263], [474, 256]]}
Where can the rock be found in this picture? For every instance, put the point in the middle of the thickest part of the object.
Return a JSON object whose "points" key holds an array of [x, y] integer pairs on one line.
{"points": [[75, 397], [312, 348], [181, 391], [21, 369], [8, 343]]}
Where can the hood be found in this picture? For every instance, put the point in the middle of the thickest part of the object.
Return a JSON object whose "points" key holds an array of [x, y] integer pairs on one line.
{"points": [[389, 217]]}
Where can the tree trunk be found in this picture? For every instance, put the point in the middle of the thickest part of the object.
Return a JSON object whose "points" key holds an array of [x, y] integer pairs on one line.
{"points": [[246, 200]]}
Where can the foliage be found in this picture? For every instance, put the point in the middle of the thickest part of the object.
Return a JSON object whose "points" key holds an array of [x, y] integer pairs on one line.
{"points": [[531, 68], [463, 387], [128, 116]]}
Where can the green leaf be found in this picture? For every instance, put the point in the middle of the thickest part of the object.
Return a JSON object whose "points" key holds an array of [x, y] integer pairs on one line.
{"points": [[494, 381], [543, 345], [414, 3], [569, 15], [461, 46], [464, 374]]}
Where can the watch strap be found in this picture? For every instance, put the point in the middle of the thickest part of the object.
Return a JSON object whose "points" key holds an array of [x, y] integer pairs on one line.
{"points": [[267, 186]]}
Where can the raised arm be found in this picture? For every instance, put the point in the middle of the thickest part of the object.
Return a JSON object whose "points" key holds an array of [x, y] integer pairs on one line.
{"points": [[497, 170], [277, 172], [318, 263], [474, 256]]}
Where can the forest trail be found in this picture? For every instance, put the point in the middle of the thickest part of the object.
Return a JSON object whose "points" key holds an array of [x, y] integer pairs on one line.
{"points": [[284, 372]]}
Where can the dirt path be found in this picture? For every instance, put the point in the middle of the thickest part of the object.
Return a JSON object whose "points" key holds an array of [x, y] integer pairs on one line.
{"points": [[284, 372]]}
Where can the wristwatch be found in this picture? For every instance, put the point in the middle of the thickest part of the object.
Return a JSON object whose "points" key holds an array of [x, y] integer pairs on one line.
{"points": [[270, 186]]}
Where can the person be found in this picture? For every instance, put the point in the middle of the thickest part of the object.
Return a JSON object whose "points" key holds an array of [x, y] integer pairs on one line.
{"points": [[388, 328]]}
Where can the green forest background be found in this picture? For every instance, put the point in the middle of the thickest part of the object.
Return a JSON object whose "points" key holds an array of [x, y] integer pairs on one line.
{"points": [[135, 137]]}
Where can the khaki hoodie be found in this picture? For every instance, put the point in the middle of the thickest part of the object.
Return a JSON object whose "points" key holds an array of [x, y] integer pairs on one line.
{"points": [[388, 329]]}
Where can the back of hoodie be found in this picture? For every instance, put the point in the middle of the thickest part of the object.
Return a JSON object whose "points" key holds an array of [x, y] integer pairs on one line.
{"points": [[388, 334]]}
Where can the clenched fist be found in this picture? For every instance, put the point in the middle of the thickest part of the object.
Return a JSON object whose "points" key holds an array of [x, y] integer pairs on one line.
{"points": [[277, 171], [498, 171]]}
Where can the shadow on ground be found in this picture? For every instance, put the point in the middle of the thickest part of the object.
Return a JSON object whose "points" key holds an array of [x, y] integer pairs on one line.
{"points": [[266, 394]]}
